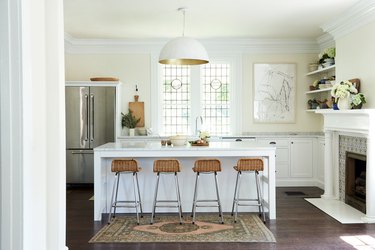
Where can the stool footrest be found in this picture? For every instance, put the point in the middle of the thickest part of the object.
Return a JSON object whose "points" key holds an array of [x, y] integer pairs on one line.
{"points": [[206, 205], [247, 205], [207, 200], [166, 206]]}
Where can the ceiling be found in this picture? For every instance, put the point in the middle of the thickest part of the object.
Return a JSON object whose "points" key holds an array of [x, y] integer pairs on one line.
{"points": [[271, 19]]}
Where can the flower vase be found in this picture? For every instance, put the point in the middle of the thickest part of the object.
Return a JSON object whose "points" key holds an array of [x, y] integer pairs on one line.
{"points": [[131, 131], [343, 103]]}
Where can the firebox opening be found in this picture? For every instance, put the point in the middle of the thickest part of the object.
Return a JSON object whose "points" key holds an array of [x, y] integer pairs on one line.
{"points": [[355, 183]]}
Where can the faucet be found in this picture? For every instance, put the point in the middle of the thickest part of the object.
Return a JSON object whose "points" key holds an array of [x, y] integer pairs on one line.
{"points": [[196, 124]]}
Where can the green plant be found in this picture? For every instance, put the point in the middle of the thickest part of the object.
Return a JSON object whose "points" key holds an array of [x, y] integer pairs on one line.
{"points": [[343, 89], [358, 99], [327, 53], [129, 120]]}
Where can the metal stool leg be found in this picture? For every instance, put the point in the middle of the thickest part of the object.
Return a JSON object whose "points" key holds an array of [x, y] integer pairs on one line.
{"points": [[218, 199], [135, 198], [113, 194], [178, 197], [238, 195], [195, 197], [139, 194], [155, 197], [260, 196], [235, 193], [115, 204]]}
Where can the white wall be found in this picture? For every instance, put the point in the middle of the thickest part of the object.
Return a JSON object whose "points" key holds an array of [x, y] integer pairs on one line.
{"points": [[306, 122], [134, 69], [356, 59], [131, 69]]}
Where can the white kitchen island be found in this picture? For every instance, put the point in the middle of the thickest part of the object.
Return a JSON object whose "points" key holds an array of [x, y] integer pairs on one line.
{"points": [[146, 152]]}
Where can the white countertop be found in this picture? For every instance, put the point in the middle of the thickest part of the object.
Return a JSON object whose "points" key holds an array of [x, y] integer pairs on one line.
{"points": [[155, 145]]}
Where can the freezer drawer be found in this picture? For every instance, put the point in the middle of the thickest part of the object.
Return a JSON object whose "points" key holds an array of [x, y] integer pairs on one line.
{"points": [[79, 166]]}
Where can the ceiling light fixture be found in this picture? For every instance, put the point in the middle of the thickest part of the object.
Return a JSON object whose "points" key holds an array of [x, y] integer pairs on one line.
{"points": [[183, 50]]}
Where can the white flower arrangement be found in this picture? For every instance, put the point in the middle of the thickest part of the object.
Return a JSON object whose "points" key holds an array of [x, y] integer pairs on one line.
{"points": [[343, 90], [204, 135]]}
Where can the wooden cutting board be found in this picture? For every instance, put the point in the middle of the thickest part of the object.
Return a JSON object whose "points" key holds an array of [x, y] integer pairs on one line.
{"points": [[138, 111]]}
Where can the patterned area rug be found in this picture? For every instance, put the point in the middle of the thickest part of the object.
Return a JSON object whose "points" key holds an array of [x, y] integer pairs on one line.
{"points": [[249, 228]]}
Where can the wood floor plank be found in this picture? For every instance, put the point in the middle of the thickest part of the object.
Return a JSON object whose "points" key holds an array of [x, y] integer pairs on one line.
{"points": [[299, 225]]}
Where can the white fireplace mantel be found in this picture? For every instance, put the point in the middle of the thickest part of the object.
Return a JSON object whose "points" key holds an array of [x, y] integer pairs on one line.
{"points": [[357, 123]]}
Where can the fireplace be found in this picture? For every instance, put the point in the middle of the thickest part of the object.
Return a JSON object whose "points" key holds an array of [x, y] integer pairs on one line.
{"points": [[355, 181]]}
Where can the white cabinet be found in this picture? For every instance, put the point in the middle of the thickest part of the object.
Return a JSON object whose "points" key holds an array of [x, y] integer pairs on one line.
{"points": [[301, 160], [282, 155], [295, 160]]}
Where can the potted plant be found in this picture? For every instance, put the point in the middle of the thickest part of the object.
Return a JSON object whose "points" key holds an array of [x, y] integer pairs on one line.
{"points": [[342, 92], [129, 121], [358, 100], [327, 57]]}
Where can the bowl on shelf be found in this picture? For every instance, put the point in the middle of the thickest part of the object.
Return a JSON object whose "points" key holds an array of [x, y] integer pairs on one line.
{"points": [[178, 140]]}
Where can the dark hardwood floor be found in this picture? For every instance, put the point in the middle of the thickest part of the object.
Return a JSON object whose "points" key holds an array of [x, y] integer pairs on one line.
{"points": [[299, 225]]}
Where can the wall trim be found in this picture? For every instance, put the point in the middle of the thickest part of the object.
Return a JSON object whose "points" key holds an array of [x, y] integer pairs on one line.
{"points": [[352, 19], [326, 41], [218, 45]]}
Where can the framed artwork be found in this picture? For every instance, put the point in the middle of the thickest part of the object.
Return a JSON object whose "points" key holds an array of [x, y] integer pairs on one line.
{"points": [[274, 92]]}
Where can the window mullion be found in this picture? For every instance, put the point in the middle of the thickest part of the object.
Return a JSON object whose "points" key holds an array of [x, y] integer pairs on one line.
{"points": [[195, 97]]}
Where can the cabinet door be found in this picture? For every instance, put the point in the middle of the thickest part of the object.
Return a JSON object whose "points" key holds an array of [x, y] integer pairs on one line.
{"points": [[301, 162], [282, 155]]}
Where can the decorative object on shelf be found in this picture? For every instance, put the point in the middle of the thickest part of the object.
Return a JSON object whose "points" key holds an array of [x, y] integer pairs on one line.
{"points": [[327, 58], [129, 121], [343, 91], [274, 92], [104, 79], [183, 50], [312, 104], [358, 100], [313, 66]]}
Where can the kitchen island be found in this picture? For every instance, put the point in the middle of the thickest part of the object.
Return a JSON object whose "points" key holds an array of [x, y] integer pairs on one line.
{"points": [[146, 152]]}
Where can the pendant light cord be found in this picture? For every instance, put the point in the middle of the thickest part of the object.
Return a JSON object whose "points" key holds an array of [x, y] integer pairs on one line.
{"points": [[183, 22]]}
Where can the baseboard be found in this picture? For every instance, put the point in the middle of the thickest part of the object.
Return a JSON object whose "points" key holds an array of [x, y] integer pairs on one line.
{"points": [[298, 183]]}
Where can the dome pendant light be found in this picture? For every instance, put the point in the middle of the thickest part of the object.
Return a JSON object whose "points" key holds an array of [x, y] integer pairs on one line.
{"points": [[183, 50]]}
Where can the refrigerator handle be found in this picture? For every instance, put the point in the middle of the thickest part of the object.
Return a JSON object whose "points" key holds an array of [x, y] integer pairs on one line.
{"points": [[92, 104], [87, 117]]}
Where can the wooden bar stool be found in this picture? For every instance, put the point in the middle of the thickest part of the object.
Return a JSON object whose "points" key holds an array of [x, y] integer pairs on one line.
{"points": [[125, 166], [248, 165], [207, 166], [166, 166]]}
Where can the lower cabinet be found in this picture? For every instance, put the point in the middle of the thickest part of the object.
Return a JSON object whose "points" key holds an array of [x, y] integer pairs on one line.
{"points": [[301, 160], [295, 160]]}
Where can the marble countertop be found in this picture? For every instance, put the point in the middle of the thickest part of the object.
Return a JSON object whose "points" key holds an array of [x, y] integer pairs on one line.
{"points": [[242, 136], [155, 145]]}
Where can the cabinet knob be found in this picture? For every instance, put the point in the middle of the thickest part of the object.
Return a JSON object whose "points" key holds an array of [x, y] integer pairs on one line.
{"points": [[292, 142]]}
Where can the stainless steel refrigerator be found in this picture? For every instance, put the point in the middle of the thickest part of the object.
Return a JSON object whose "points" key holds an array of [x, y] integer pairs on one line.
{"points": [[90, 122]]}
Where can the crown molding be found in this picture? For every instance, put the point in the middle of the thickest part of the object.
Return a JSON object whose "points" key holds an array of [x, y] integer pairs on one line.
{"points": [[352, 19], [217, 45], [326, 41]]}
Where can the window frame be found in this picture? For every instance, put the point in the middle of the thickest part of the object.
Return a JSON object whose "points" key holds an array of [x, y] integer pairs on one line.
{"points": [[235, 62]]}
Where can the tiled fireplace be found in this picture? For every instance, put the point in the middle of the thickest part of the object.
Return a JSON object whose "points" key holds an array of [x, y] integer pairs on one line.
{"points": [[349, 176], [352, 171]]}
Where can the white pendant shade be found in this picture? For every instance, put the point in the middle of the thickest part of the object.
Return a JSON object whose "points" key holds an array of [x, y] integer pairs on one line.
{"points": [[183, 51]]}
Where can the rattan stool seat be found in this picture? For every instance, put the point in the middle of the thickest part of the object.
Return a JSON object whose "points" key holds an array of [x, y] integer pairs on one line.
{"points": [[249, 164], [166, 166], [207, 165], [125, 165]]}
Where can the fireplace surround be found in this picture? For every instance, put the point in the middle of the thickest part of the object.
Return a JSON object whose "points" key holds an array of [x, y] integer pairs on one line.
{"points": [[353, 123]]}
